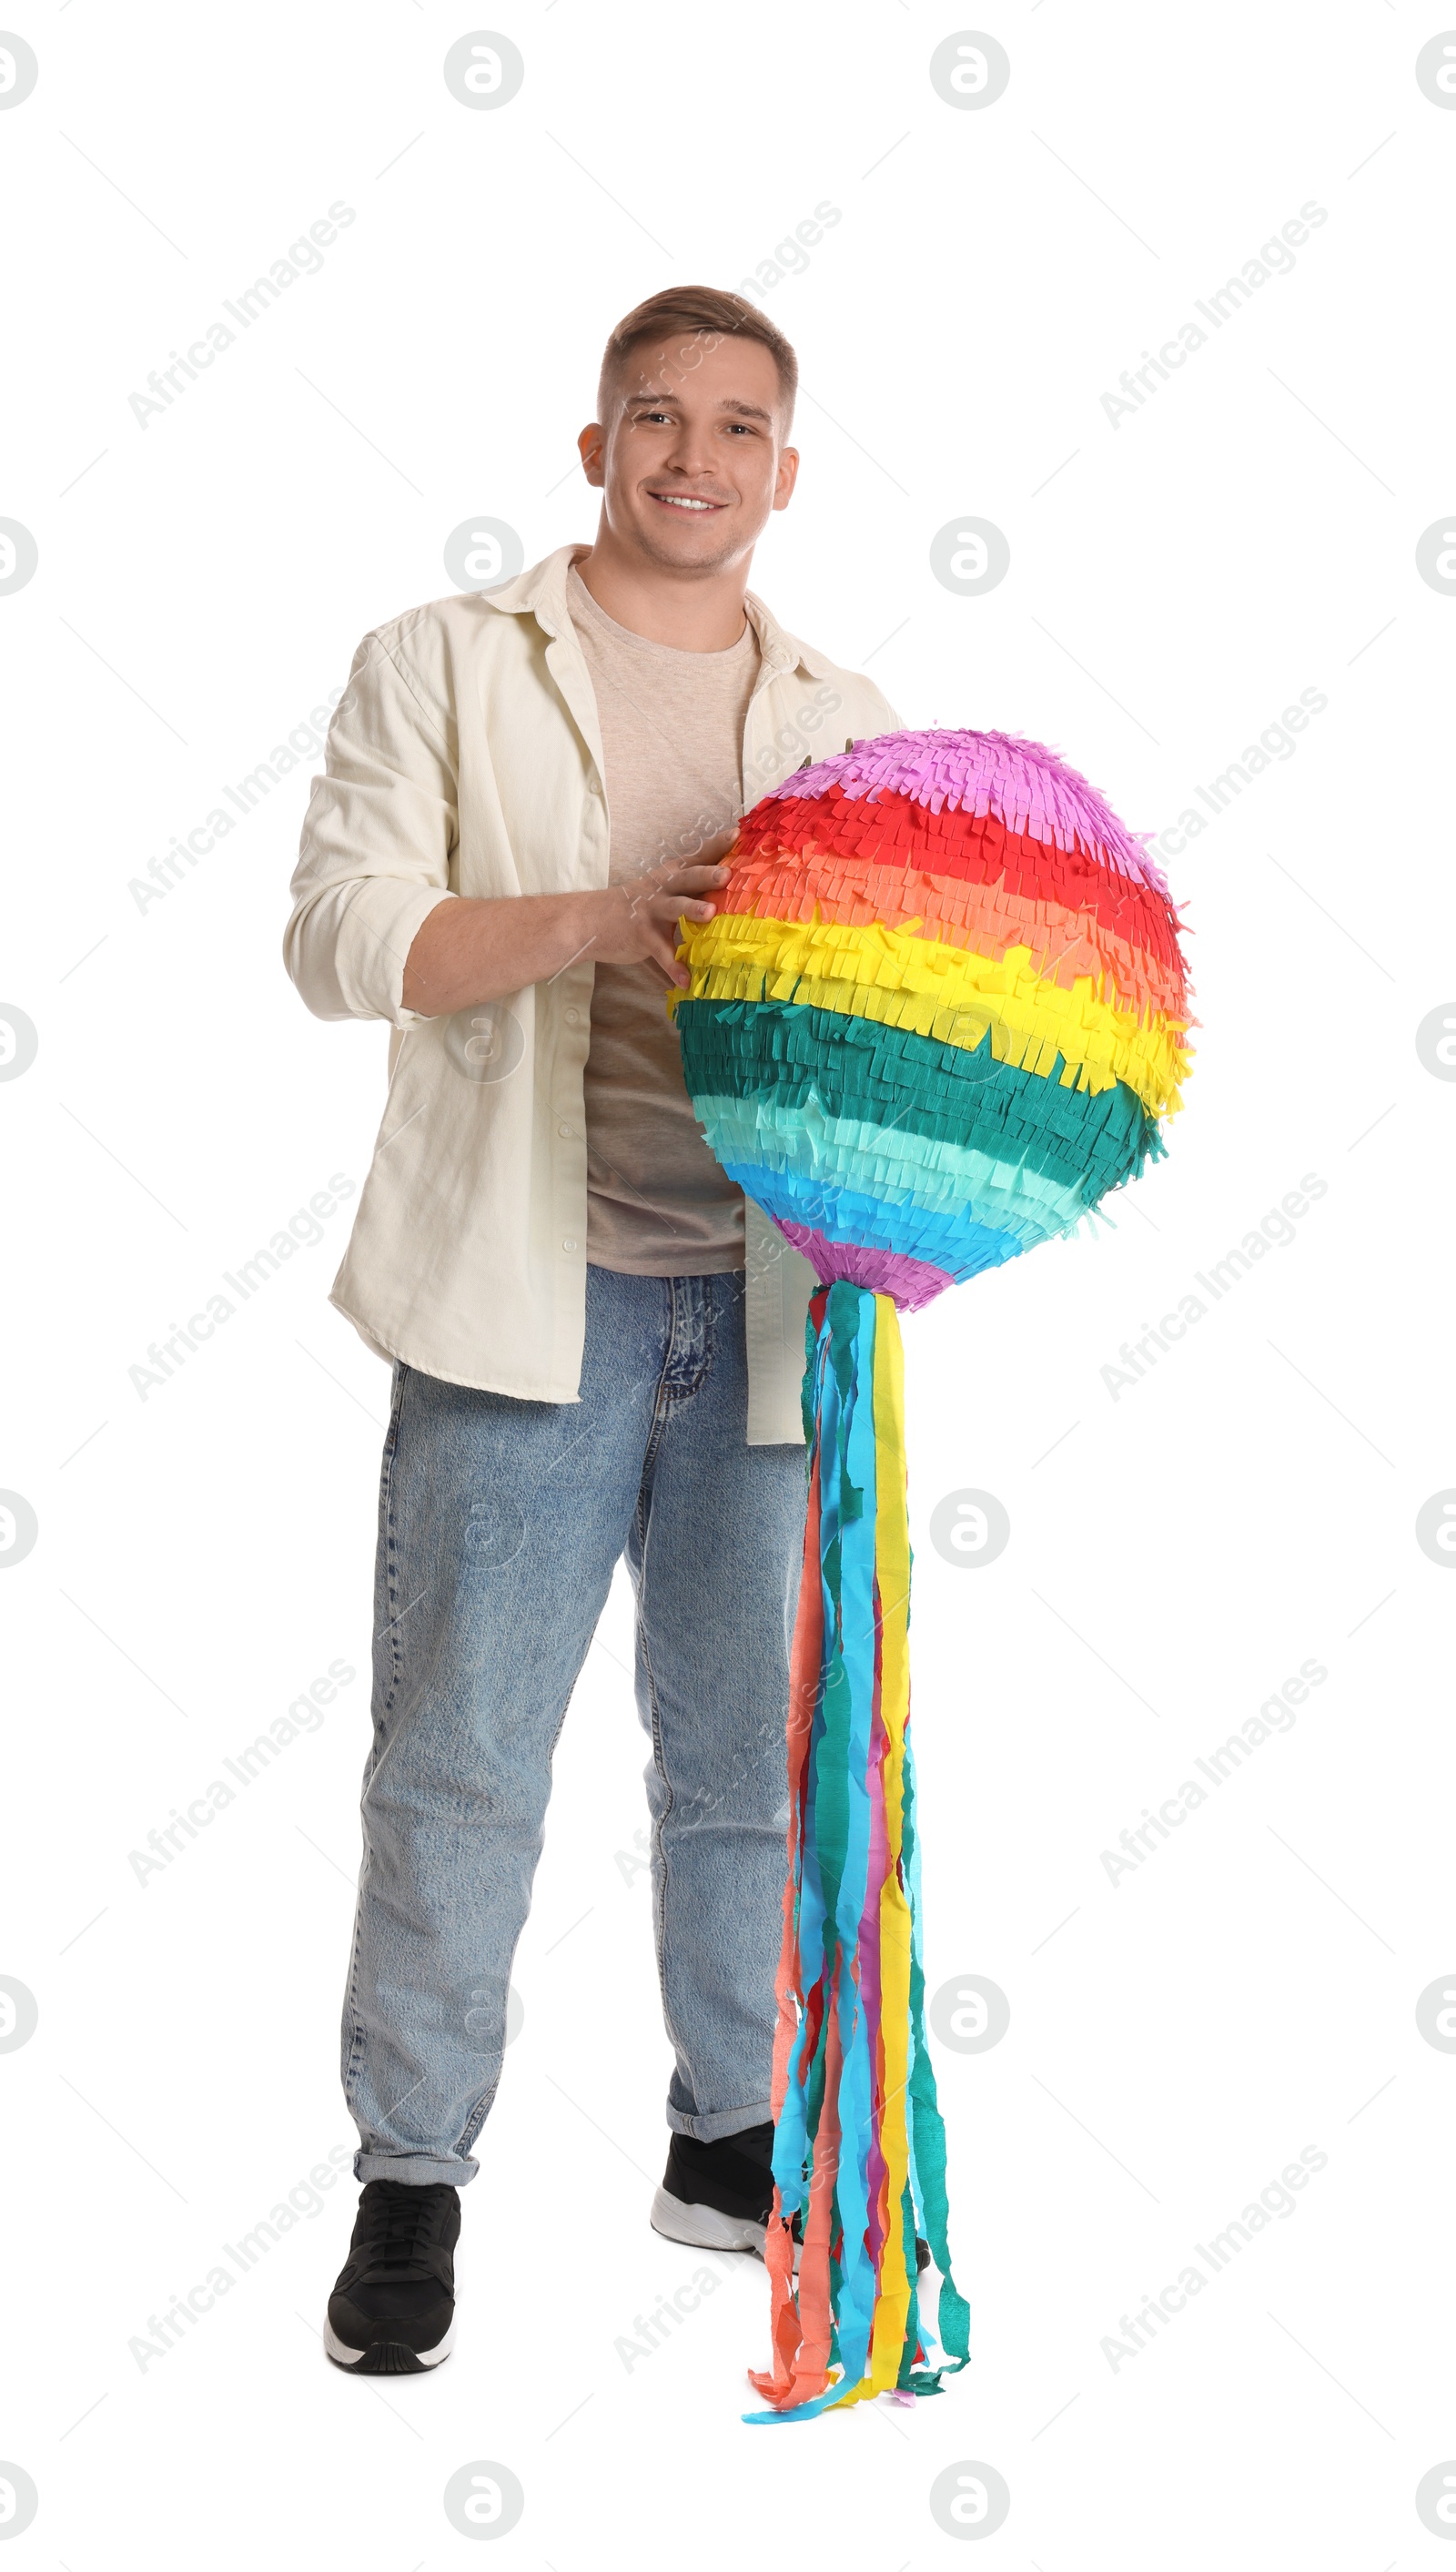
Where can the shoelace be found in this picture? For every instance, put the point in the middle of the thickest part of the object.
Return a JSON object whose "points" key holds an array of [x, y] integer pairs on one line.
{"points": [[398, 2226]]}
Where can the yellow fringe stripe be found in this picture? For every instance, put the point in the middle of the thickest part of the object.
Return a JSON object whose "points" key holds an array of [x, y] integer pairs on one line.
{"points": [[892, 1570], [891, 1563], [946, 991]]}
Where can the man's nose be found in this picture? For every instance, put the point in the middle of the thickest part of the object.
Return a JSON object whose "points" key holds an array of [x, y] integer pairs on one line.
{"points": [[689, 455]]}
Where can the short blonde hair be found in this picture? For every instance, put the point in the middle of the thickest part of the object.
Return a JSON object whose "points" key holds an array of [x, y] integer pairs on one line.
{"points": [[695, 310]]}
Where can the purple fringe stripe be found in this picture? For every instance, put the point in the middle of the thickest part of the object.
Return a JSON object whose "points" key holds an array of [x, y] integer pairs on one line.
{"points": [[1029, 787], [912, 1282]]}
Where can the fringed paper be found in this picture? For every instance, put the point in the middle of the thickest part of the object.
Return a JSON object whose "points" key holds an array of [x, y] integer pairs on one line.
{"points": [[1066, 946], [859, 2146], [975, 848], [948, 991], [1027, 786], [936, 1021]]}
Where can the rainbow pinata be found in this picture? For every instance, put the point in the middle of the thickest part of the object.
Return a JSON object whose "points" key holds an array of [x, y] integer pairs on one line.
{"points": [[941, 1008], [937, 1017]]}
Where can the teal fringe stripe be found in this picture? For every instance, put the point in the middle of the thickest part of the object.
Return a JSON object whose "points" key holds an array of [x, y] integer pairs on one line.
{"points": [[833, 1884], [786, 1055]]}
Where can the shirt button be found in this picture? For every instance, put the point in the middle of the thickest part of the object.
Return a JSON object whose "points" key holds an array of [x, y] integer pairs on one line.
{"points": [[564, 1129], [573, 1018], [568, 1243]]}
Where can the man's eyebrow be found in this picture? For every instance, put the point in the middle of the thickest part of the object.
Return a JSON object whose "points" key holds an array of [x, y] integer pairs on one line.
{"points": [[745, 410]]}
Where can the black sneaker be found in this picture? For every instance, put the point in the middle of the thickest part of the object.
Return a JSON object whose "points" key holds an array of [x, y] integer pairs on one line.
{"points": [[719, 2197], [392, 2310]]}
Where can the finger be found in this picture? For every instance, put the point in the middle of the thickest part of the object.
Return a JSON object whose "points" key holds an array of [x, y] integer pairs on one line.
{"points": [[663, 954], [691, 876], [668, 907], [672, 899], [673, 907]]}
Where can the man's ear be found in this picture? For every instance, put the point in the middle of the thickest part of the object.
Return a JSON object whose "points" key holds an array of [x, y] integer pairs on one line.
{"points": [[787, 476], [591, 448]]}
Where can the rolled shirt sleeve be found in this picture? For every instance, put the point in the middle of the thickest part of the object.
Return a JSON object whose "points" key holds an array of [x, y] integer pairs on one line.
{"points": [[379, 837]]}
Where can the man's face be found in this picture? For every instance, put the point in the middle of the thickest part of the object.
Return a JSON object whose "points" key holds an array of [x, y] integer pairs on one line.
{"points": [[690, 463]]}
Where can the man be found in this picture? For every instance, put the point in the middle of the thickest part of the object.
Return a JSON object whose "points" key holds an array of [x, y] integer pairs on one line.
{"points": [[597, 1351]]}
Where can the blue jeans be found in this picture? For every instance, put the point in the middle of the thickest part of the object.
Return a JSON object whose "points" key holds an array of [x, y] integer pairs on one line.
{"points": [[501, 1523]]}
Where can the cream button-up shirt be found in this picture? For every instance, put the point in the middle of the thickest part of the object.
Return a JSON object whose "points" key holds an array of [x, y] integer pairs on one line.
{"points": [[465, 759]]}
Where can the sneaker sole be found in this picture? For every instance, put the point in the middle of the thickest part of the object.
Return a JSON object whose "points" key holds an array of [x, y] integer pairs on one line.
{"points": [[386, 2356], [703, 2227]]}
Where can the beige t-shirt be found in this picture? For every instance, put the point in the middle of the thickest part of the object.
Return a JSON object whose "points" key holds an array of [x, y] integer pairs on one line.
{"points": [[659, 1205]]}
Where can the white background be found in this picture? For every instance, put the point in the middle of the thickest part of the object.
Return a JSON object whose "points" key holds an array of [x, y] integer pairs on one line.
{"points": [[1176, 2038]]}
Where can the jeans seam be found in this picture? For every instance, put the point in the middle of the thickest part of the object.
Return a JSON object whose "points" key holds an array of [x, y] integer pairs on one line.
{"points": [[660, 1890], [661, 1404], [670, 1397], [389, 1535], [476, 2118], [358, 2032]]}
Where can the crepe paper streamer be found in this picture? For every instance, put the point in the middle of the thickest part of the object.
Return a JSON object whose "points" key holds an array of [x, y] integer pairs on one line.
{"points": [[938, 1018]]}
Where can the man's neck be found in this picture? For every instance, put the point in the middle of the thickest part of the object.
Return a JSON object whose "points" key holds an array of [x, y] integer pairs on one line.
{"points": [[694, 612]]}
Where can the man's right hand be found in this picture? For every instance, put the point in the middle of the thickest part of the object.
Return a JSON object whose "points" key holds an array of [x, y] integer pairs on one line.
{"points": [[636, 922], [469, 951]]}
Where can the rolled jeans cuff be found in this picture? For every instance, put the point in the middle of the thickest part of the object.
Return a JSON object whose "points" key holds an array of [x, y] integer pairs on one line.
{"points": [[416, 2169], [726, 2121]]}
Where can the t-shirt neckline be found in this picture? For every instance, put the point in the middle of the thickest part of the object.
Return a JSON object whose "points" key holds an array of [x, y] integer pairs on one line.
{"points": [[616, 633]]}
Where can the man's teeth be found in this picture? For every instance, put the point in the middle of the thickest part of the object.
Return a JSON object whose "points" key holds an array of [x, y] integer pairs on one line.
{"points": [[671, 501]]}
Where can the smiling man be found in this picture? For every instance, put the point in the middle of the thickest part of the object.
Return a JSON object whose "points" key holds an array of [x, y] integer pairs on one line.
{"points": [[596, 1348]]}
